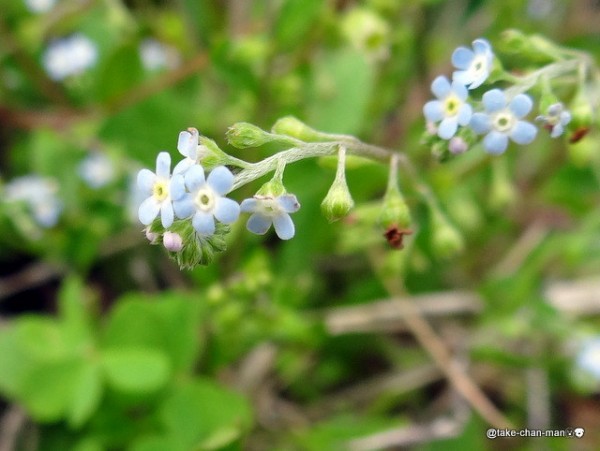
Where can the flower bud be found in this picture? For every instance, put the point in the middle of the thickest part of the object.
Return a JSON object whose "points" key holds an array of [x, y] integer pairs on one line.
{"points": [[533, 47], [395, 212], [446, 242], [457, 145], [367, 32], [273, 188], [150, 235], [243, 135], [582, 115], [295, 128], [502, 191], [338, 201], [172, 241]]}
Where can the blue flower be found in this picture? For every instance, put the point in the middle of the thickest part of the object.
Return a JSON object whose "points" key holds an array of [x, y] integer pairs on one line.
{"points": [[588, 358], [451, 108], [68, 56], [205, 200], [555, 119], [474, 65], [39, 194], [501, 121], [267, 210], [187, 145], [96, 170], [159, 189]]}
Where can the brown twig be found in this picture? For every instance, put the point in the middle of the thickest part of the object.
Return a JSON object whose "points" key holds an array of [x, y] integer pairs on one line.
{"points": [[435, 347]]}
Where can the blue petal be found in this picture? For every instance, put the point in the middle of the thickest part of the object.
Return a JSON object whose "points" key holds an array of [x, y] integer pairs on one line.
{"points": [[187, 143], [284, 226], [433, 111], [495, 142], [163, 165], [226, 210], [183, 166], [462, 57], [258, 224], [440, 87], [177, 188], [220, 180], [481, 46], [460, 90], [194, 177], [249, 205], [184, 207], [464, 114], [288, 203], [166, 214], [462, 77], [557, 130], [448, 127], [480, 123], [494, 100], [148, 210], [521, 105], [565, 117], [145, 180], [523, 132], [203, 223], [477, 81]]}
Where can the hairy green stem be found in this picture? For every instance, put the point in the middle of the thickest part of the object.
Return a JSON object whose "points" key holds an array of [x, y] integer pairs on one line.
{"points": [[312, 150]]}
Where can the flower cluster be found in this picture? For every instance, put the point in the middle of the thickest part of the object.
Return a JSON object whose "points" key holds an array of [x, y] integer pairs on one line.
{"points": [[499, 116], [189, 212], [39, 196]]}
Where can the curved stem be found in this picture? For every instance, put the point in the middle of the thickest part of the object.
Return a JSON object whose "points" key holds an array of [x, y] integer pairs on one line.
{"points": [[311, 150]]}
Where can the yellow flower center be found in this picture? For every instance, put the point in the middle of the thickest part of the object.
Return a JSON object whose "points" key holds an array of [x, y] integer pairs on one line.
{"points": [[503, 121], [205, 199], [452, 105], [160, 191]]}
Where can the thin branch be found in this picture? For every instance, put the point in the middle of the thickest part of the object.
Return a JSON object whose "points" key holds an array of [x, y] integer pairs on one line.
{"points": [[11, 424]]}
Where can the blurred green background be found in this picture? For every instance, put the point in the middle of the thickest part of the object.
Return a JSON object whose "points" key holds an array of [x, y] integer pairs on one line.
{"points": [[106, 345]]}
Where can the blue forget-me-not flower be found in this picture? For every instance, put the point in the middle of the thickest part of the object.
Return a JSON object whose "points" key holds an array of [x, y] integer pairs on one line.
{"points": [[450, 108], [555, 119], [205, 199], [474, 65], [96, 170], [68, 56], [267, 210], [39, 194], [501, 121], [187, 145], [158, 187]]}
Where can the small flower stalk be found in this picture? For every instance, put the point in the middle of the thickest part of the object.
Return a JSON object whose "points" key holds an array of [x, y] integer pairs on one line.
{"points": [[338, 202], [395, 214]]}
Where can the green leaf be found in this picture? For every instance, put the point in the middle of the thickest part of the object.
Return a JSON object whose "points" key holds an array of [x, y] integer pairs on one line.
{"points": [[87, 392], [341, 87], [135, 370], [203, 414], [168, 322], [73, 304], [48, 389]]}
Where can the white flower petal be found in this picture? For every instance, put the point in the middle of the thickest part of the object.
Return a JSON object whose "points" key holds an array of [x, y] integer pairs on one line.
{"points": [[226, 210], [220, 180], [166, 214], [148, 210], [203, 223], [258, 224]]}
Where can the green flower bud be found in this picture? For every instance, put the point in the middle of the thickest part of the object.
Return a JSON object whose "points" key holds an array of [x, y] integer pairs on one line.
{"points": [[502, 190], [582, 115], [338, 202], [243, 135], [446, 242], [295, 128], [367, 32], [212, 155], [395, 212], [534, 47]]}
